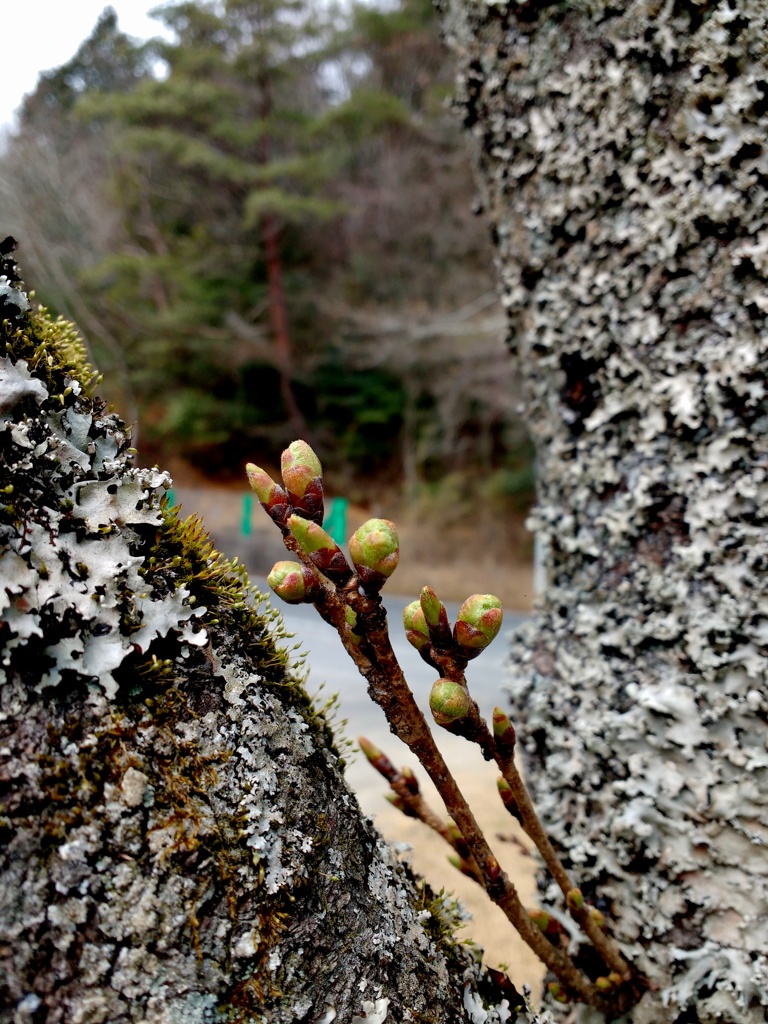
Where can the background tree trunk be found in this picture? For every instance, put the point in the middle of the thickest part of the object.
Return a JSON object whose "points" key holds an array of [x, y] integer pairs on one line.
{"points": [[621, 149]]}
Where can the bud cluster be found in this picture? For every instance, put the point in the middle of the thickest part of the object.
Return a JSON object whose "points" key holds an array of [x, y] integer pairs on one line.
{"points": [[302, 492], [428, 630], [375, 551]]}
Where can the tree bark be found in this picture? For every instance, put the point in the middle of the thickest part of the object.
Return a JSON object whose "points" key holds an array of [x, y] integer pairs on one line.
{"points": [[621, 152], [177, 842]]}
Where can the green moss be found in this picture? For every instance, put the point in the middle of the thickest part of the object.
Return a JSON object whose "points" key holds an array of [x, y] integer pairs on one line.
{"points": [[53, 350]]}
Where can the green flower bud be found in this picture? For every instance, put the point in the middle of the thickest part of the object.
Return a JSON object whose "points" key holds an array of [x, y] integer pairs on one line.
{"points": [[416, 629], [302, 476], [378, 759], [478, 622], [603, 984], [597, 916], [508, 798], [449, 702], [436, 618], [432, 606], [293, 582], [400, 804], [575, 899], [273, 498], [321, 548], [540, 918], [458, 841], [503, 730], [546, 924], [557, 992], [462, 865], [351, 616], [411, 782], [375, 551]]}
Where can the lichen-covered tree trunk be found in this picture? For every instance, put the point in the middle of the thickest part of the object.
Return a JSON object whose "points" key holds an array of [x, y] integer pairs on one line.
{"points": [[622, 155], [177, 842]]}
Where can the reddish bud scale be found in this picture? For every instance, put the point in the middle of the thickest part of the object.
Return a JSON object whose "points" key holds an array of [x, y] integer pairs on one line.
{"points": [[503, 730], [272, 497], [292, 582], [378, 759], [416, 639], [411, 782], [492, 869], [321, 548]]}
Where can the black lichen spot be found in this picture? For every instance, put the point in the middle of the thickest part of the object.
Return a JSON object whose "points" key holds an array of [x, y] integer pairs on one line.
{"points": [[581, 393]]}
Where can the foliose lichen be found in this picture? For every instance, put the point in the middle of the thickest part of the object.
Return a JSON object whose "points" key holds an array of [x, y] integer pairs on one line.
{"points": [[621, 150]]}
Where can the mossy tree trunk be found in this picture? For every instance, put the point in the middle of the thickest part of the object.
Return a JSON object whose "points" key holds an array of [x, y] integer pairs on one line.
{"points": [[622, 157]]}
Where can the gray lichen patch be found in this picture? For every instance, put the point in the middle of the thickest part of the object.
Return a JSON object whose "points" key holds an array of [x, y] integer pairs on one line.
{"points": [[621, 150], [177, 842]]}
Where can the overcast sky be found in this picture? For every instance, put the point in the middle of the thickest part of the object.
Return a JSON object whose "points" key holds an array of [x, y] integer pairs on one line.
{"points": [[42, 34]]}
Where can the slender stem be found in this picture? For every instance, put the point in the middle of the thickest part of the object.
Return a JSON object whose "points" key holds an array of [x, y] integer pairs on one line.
{"points": [[389, 689], [533, 827]]}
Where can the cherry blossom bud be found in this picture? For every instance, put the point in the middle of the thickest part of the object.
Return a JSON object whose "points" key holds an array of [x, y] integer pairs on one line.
{"points": [[375, 551], [575, 899], [293, 582], [302, 476], [557, 992], [351, 616], [378, 759], [321, 548], [435, 616], [597, 916], [508, 797], [273, 498], [503, 731], [492, 868], [410, 780], [478, 622], [416, 629], [449, 702], [400, 804]]}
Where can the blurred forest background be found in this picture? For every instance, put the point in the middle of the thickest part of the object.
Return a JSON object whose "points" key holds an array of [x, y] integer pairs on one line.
{"points": [[264, 229]]}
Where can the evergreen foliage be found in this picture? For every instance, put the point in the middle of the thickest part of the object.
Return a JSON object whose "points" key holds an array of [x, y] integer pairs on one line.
{"points": [[256, 223]]}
